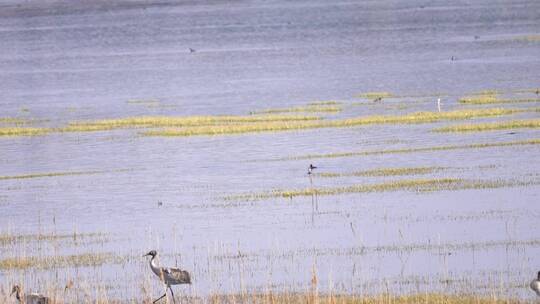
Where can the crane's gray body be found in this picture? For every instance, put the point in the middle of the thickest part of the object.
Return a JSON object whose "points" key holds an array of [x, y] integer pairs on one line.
{"points": [[33, 298]]}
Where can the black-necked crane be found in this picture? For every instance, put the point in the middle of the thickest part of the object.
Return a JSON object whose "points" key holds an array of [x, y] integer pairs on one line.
{"points": [[169, 276], [535, 284], [33, 298]]}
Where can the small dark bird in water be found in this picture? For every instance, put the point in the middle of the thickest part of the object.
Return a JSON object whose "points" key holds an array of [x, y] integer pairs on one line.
{"points": [[537, 91], [535, 284], [453, 58], [160, 203], [310, 168], [33, 298], [476, 37], [377, 99], [169, 276], [192, 50]]}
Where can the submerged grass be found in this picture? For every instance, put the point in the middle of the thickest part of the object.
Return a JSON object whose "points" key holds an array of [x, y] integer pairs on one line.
{"points": [[274, 126], [375, 95], [419, 185], [504, 125], [535, 141], [386, 172], [50, 174], [81, 260], [314, 108], [9, 239]]}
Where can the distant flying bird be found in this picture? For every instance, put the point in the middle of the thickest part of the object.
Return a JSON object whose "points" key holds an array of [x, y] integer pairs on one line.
{"points": [[169, 276], [33, 298], [192, 50], [535, 284], [310, 168]]}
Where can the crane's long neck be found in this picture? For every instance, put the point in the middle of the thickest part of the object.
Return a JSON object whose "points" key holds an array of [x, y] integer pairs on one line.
{"points": [[538, 278], [154, 267]]}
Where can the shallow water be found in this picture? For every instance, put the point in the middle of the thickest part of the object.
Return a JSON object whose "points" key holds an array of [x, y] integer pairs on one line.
{"points": [[63, 63]]}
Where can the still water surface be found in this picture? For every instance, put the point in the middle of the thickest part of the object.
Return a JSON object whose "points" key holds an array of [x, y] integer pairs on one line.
{"points": [[65, 62]]}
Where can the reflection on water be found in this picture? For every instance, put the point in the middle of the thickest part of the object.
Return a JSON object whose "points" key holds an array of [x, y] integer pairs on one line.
{"points": [[60, 64]]}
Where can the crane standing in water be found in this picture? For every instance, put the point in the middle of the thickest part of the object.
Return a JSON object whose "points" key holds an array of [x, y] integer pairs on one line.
{"points": [[169, 276]]}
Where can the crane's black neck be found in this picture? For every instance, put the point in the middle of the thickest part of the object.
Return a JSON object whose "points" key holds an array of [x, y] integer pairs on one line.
{"points": [[538, 278]]}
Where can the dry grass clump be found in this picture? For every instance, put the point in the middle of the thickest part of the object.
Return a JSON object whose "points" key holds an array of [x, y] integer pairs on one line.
{"points": [[312, 108], [18, 131], [315, 298], [274, 126], [504, 125], [385, 172], [48, 262], [414, 150]]}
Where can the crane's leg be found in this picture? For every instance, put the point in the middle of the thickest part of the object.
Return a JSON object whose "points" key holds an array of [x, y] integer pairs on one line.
{"points": [[160, 297], [172, 293]]}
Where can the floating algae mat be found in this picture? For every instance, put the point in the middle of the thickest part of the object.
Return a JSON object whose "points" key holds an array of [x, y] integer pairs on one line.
{"points": [[274, 126], [535, 141], [419, 185], [504, 125]]}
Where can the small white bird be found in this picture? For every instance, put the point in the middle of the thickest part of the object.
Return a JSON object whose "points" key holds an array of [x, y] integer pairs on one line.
{"points": [[33, 298], [535, 284]]}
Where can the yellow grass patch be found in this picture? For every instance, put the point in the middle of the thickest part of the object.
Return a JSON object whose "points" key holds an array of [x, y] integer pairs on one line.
{"points": [[177, 121], [17, 131], [274, 126], [504, 125]]}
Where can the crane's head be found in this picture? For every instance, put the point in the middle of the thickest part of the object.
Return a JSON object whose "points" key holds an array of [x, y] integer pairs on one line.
{"points": [[15, 289], [151, 253]]}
